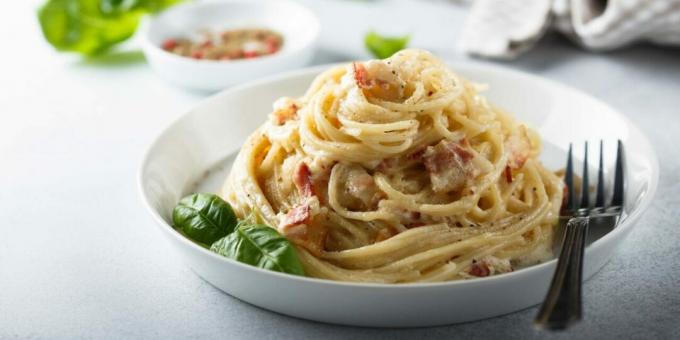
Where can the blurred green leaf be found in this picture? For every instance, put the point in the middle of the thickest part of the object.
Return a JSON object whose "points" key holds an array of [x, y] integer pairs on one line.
{"points": [[154, 6], [384, 47], [90, 27]]}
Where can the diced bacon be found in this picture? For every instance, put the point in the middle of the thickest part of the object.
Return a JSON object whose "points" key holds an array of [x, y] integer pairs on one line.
{"points": [[508, 174], [379, 80], [303, 180], [299, 226], [169, 44], [361, 75], [285, 109], [296, 216], [449, 166], [519, 147], [250, 54], [489, 265], [479, 269]]}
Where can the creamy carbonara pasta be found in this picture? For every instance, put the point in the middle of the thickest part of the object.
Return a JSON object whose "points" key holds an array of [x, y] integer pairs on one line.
{"points": [[396, 171]]}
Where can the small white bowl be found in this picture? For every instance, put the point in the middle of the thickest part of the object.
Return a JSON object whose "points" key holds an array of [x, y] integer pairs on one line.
{"points": [[298, 25]]}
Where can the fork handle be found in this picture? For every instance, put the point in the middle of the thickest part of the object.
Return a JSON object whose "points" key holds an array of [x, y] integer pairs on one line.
{"points": [[562, 305]]}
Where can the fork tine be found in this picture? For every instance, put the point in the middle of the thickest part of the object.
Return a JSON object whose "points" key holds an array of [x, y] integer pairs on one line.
{"points": [[585, 185], [617, 199], [569, 181], [599, 200]]}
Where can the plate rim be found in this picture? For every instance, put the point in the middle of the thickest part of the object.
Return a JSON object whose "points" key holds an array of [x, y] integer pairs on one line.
{"points": [[473, 66]]}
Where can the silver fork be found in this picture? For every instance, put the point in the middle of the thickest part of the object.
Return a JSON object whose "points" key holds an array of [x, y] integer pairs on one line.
{"points": [[563, 305]]}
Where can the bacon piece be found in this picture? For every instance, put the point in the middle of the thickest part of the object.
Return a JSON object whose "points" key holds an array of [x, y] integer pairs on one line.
{"points": [[285, 109], [299, 226], [303, 181], [519, 147], [449, 166], [479, 269], [361, 75], [489, 265], [379, 80], [508, 174], [296, 216], [170, 44]]}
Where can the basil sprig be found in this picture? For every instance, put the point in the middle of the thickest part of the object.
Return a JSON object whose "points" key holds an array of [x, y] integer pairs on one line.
{"points": [[209, 220]]}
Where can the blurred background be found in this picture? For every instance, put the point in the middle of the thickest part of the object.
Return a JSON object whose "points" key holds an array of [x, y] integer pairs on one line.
{"points": [[74, 128]]}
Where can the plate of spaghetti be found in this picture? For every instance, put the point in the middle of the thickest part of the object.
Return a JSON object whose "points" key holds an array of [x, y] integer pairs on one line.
{"points": [[397, 192]]}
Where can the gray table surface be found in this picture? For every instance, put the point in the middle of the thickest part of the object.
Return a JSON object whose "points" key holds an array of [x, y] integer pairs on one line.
{"points": [[80, 257]]}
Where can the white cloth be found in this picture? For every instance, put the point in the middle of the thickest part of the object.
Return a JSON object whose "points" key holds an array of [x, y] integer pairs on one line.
{"points": [[506, 28]]}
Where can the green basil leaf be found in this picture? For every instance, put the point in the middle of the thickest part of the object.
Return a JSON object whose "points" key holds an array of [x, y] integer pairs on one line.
{"points": [[204, 218], [260, 246], [90, 27], [83, 25], [154, 6], [384, 47]]}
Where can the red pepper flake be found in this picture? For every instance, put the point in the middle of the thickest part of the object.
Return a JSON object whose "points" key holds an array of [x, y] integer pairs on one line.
{"points": [[430, 93], [197, 55], [508, 174], [169, 44]]}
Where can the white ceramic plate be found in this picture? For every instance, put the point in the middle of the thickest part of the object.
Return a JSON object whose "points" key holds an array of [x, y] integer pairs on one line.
{"points": [[298, 25], [191, 153]]}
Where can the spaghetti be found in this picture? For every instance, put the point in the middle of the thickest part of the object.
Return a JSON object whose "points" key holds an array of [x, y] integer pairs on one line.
{"points": [[397, 171]]}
